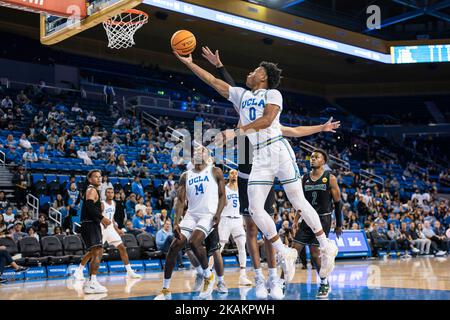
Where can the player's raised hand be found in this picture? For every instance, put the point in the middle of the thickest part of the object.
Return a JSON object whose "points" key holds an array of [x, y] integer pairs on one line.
{"points": [[213, 58], [185, 60], [331, 125]]}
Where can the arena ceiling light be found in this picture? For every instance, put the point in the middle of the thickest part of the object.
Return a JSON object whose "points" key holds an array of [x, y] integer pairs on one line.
{"points": [[269, 29]]}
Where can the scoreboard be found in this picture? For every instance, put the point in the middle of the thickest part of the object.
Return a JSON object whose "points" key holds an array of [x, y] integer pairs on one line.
{"points": [[421, 54]]}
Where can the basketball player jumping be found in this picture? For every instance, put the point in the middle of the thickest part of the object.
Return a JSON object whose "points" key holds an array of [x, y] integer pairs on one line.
{"points": [[203, 188], [322, 191], [110, 234], [259, 111], [91, 231], [244, 167]]}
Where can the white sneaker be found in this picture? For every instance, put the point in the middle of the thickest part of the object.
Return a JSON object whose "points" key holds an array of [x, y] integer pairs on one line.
{"points": [[208, 286], [221, 287], [440, 253], [165, 294], [328, 254], [79, 276], [244, 281], [94, 287], [133, 275], [198, 282], [276, 289], [287, 263], [415, 250], [260, 289]]}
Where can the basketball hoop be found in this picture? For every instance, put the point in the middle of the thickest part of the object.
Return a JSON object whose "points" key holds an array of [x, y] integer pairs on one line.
{"points": [[121, 28]]}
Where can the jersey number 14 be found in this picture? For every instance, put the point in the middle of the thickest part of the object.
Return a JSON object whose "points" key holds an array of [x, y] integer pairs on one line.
{"points": [[199, 189]]}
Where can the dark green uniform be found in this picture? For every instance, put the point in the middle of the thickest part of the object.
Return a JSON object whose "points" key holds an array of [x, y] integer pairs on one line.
{"points": [[318, 194]]}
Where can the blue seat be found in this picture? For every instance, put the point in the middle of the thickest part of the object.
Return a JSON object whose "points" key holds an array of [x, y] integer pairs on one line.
{"points": [[124, 181], [63, 179], [50, 177], [37, 177]]}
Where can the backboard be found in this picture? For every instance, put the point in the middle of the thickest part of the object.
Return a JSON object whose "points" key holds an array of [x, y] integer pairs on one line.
{"points": [[56, 28]]}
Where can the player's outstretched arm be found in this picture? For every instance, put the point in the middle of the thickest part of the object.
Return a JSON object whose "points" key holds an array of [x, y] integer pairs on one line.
{"points": [[220, 86], [218, 174], [263, 122], [302, 131], [336, 194], [179, 209]]}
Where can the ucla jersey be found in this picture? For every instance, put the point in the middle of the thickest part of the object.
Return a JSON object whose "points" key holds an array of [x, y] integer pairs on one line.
{"points": [[109, 210], [232, 207], [250, 106], [202, 191]]}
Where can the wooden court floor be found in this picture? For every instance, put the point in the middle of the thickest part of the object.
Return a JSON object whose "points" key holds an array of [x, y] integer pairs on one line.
{"points": [[392, 279]]}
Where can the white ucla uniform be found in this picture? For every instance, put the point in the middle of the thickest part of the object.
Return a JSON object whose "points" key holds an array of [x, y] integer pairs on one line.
{"points": [[231, 221], [109, 234], [202, 193], [272, 154]]}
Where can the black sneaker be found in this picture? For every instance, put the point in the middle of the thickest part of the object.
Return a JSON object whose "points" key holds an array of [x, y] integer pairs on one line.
{"points": [[22, 269], [3, 280], [323, 292]]}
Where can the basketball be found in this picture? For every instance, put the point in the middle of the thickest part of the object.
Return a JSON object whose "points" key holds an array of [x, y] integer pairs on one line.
{"points": [[183, 42]]}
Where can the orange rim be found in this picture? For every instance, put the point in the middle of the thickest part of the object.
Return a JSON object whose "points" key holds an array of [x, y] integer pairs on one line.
{"points": [[131, 11]]}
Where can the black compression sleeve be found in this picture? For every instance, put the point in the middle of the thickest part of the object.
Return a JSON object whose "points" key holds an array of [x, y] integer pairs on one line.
{"points": [[225, 76], [338, 213], [93, 212]]}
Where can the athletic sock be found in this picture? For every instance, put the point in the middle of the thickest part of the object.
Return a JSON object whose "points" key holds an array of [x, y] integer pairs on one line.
{"points": [[80, 269], [323, 281], [206, 273], [279, 246], [166, 283], [199, 270], [323, 241], [259, 274], [273, 273], [220, 278], [128, 268], [242, 272], [93, 277]]}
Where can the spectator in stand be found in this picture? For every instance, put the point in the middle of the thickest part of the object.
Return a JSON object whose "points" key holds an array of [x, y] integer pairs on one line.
{"points": [[436, 243], [16, 232], [12, 156], [3, 225], [42, 155], [160, 218], [59, 202], [285, 233], [139, 221], [24, 142], [362, 209], [7, 103], [21, 181], [137, 188], [71, 152], [105, 185], [41, 225], [439, 230], [22, 98], [32, 233], [4, 203], [91, 118], [96, 138], [109, 93], [140, 204], [57, 231], [5, 260], [130, 229], [382, 240], [122, 169], [130, 205], [164, 238], [8, 216], [29, 156], [418, 239]]}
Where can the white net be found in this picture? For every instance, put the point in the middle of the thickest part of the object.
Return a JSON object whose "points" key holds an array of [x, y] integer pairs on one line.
{"points": [[121, 28]]}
